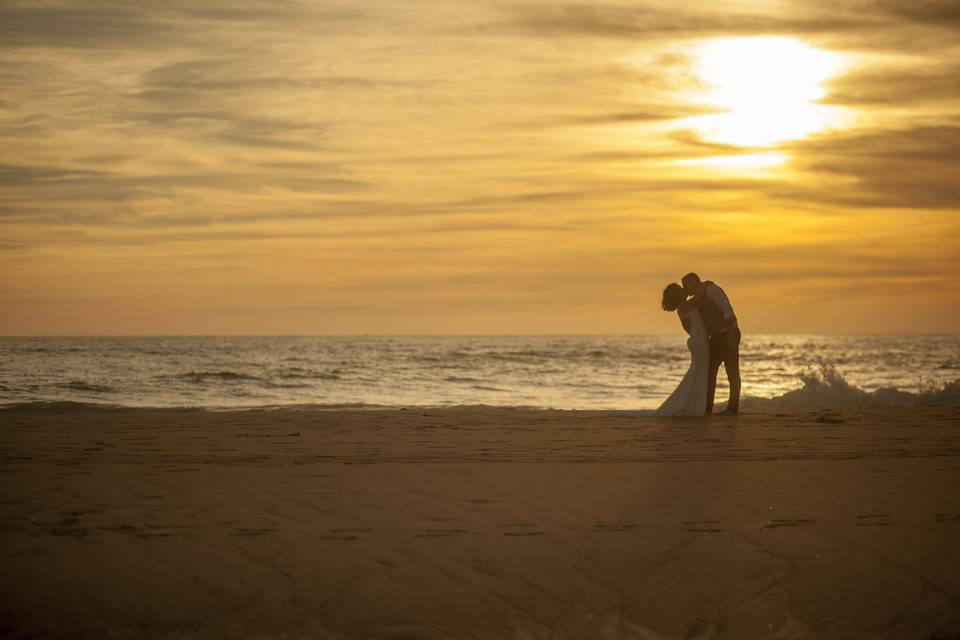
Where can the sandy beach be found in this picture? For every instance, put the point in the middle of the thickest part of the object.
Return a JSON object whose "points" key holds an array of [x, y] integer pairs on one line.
{"points": [[479, 523]]}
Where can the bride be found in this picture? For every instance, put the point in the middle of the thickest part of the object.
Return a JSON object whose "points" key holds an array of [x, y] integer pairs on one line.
{"points": [[690, 396]]}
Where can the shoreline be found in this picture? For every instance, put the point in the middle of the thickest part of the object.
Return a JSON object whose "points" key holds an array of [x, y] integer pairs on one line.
{"points": [[801, 399]]}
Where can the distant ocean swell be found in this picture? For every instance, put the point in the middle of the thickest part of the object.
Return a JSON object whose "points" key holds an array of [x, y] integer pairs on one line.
{"points": [[200, 377]]}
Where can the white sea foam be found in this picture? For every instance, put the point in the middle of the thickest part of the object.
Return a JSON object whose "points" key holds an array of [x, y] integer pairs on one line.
{"points": [[827, 388]]}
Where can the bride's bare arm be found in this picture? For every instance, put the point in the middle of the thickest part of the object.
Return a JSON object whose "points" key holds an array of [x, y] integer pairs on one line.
{"points": [[685, 307]]}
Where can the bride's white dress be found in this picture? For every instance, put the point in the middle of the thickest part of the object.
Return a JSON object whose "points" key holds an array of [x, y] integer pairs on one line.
{"points": [[690, 397]]}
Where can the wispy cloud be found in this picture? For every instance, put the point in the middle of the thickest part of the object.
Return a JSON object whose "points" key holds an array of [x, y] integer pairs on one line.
{"points": [[908, 168], [110, 24], [629, 20]]}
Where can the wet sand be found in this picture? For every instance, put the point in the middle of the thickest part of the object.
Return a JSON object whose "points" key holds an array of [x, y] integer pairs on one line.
{"points": [[479, 523]]}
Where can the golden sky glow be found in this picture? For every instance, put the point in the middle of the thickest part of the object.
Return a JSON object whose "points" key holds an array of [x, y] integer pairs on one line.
{"points": [[461, 167]]}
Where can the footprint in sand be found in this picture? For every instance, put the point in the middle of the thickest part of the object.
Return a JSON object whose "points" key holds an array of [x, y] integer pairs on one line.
{"points": [[829, 420], [440, 533], [873, 520], [703, 526], [521, 529], [947, 517], [623, 526], [251, 531], [345, 534], [787, 522]]}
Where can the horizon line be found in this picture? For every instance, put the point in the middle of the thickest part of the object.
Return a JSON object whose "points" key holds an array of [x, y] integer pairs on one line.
{"points": [[459, 335]]}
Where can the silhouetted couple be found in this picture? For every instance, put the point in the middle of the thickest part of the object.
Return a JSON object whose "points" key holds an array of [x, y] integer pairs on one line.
{"points": [[707, 316]]}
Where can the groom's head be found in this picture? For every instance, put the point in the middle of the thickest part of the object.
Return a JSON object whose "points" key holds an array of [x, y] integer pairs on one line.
{"points": [[673, 295], [691, 283]]}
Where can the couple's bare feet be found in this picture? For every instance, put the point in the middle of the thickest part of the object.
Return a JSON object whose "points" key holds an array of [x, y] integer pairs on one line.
{"points": [[725, 412]]}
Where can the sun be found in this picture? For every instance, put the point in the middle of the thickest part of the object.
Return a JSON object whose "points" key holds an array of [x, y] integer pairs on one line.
{"points": [[766, 90]]}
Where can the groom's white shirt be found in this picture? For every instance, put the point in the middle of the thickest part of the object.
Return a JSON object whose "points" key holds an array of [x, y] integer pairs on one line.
{"points": [[719, 298]]}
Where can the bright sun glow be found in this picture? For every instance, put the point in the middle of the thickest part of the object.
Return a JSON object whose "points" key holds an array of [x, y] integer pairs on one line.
{"points": [[767, 89], [756, 161]]}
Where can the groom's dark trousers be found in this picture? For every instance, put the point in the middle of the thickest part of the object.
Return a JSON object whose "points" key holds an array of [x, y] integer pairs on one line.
{"points": [[721, 352]]}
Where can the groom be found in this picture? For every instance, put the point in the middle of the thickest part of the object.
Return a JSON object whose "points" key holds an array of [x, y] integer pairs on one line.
{"points": [[721, 322]]}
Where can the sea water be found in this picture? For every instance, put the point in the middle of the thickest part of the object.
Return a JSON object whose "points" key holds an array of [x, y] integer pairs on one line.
{"points": [[566, 372]]}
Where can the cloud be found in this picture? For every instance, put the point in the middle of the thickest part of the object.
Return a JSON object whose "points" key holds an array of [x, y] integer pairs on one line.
{"points": [[892, 25], [227, 100], [941, 13], [909, 168], [13, 175], [174, 81], [932, 85], [644, 114], [96, 25], [619, 20], [57, 196], [110, 24]]}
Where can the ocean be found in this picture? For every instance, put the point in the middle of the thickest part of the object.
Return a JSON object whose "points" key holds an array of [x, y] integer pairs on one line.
{"points": [[563, 372]]}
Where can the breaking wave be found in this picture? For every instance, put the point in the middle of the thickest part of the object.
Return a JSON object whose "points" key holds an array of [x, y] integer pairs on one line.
{"points": [[827, 388]]}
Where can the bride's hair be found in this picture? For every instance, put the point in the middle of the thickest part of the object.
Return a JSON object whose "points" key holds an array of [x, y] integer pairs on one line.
{"points": [[673, 295]]}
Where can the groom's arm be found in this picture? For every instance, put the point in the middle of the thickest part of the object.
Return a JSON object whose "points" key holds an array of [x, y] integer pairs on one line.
{"points": [[719, 297], [731, 334]]}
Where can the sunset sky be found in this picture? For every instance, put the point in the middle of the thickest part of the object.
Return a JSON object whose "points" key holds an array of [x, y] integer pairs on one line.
{"points": [[404, 166]]}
